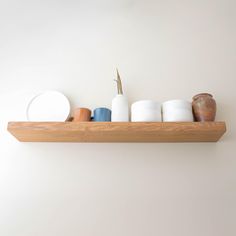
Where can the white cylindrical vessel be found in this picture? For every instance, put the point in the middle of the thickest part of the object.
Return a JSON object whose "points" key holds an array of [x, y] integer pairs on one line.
{"points": [[146, 111], [177, 111], [120, 109]]}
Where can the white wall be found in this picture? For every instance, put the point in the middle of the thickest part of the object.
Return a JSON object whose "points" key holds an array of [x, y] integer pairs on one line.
{"points": [[164, 50]]}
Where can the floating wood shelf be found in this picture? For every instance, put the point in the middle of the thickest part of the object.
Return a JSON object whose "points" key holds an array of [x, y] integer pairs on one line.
{"points": [[117, 131]]}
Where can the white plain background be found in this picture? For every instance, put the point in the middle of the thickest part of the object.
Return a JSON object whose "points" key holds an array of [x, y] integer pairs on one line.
{"points": [[164, 50]]}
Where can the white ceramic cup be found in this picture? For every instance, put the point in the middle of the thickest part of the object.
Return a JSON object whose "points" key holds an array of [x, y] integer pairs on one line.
{"points": [[177, 110], [146, 111]]}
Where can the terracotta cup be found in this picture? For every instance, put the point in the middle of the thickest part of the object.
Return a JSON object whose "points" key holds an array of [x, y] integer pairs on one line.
{"points": [[82, 114]]}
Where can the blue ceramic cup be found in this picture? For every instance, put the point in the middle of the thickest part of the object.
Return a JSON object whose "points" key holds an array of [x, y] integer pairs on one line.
{"points": [[101, 114]]}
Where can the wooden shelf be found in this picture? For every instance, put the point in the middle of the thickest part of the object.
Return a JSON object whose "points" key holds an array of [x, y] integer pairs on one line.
{"points": [[117, 131]]}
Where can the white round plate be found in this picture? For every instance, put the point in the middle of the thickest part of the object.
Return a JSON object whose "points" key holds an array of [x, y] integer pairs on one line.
{"points": [[48, 106]]}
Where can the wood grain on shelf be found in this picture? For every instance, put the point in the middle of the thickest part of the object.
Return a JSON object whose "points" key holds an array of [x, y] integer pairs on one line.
{"points": [[117, 131]]}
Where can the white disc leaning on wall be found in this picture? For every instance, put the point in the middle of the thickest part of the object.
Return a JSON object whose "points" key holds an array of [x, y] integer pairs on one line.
{"points": [[48, 106]]}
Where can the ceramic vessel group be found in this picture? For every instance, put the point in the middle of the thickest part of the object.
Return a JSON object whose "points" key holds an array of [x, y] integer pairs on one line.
{"points": [[202, 108]]}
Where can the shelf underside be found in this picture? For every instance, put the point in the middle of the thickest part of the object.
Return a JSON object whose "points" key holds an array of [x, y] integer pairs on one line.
{"points": [[117, 131]]}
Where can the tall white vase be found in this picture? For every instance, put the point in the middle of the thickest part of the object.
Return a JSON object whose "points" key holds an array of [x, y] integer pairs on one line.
{"points": [[120, 109]]}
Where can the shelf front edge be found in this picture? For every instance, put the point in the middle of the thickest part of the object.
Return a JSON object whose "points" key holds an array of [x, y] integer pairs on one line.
{"points": [[117, 131]]}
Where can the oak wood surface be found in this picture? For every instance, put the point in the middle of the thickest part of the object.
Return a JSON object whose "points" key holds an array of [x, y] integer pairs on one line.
{"points": [[117, 131]]}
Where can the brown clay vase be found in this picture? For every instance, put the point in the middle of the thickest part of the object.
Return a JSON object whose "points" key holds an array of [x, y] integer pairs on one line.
{"points": [[204, 107]]}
